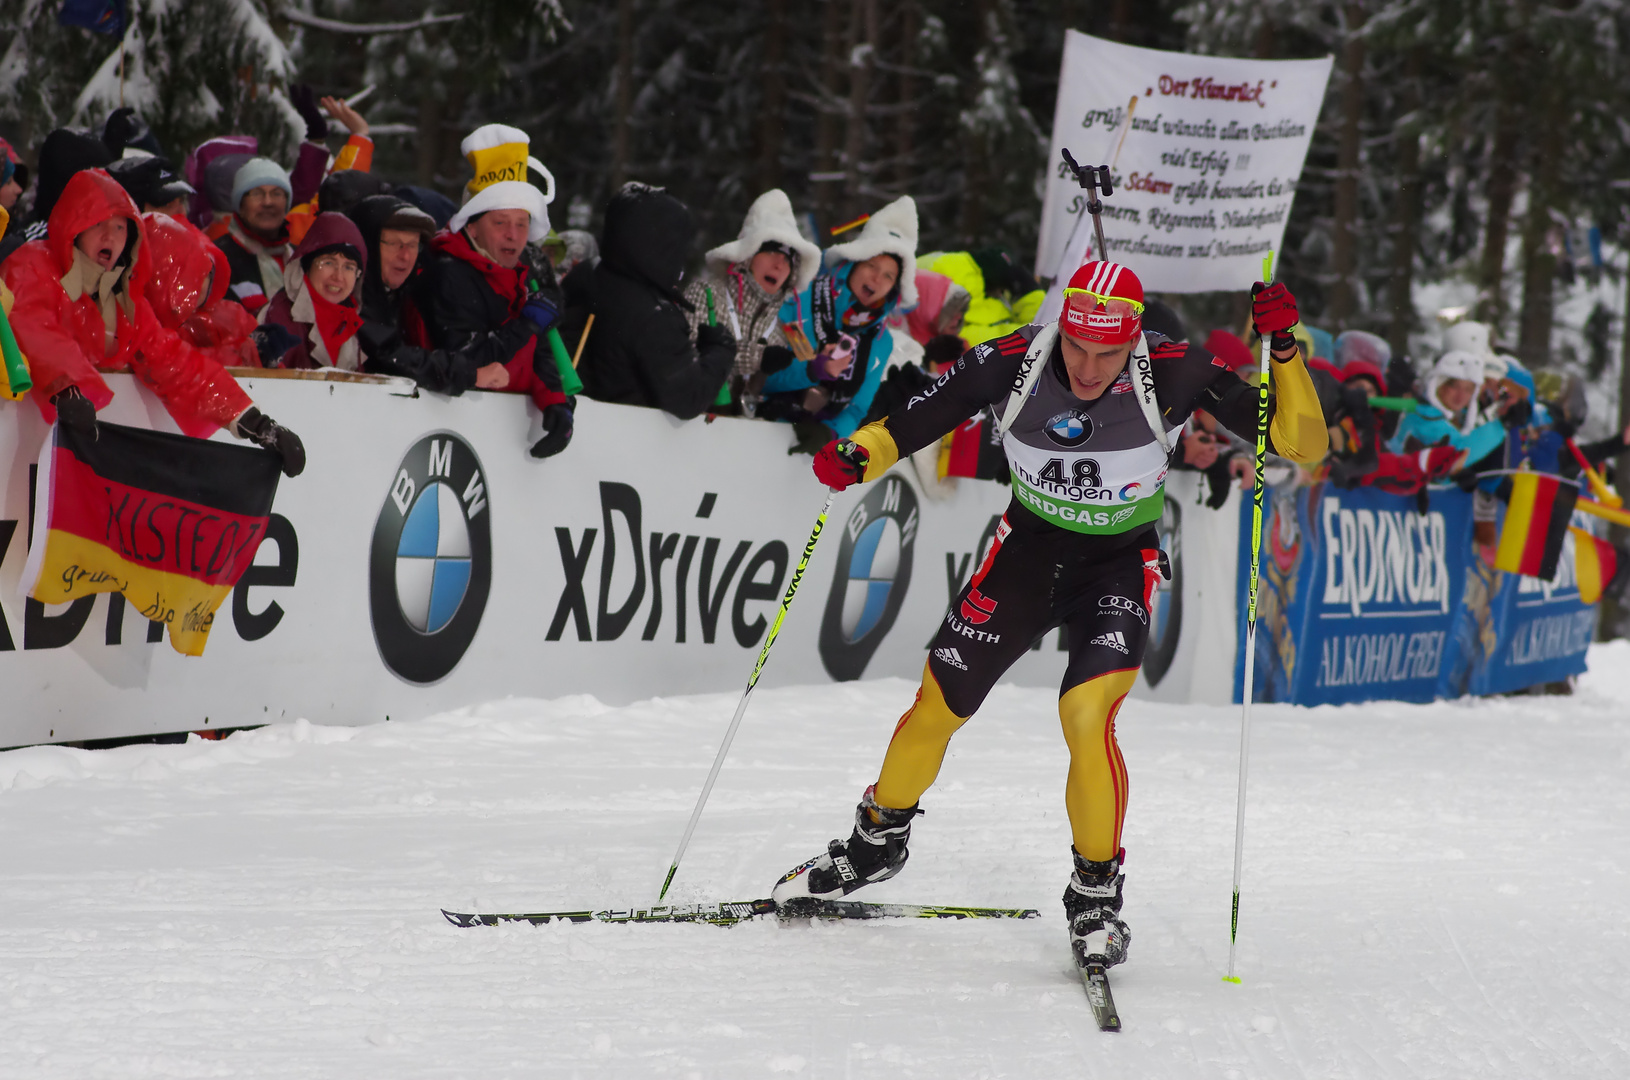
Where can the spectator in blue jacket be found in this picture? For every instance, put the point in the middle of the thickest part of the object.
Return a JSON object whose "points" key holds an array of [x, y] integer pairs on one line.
{"points": [[835, 326], [1447, 414]]}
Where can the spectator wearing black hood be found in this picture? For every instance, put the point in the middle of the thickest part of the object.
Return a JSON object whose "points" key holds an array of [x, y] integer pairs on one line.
{"points": [[63, 154], [393, 336], [640, 350]]}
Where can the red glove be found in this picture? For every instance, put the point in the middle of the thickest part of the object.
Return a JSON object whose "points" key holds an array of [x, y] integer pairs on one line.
{"points": [[1437, 462], [840, 463], [1273, 310]]}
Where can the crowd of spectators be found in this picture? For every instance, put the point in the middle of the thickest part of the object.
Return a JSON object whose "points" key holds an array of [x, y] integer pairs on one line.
{"points": [[125, 260]]}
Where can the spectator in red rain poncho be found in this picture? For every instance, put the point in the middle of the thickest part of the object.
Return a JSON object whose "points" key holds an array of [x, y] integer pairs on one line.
{"points": [[82, 309], [187, 290]]}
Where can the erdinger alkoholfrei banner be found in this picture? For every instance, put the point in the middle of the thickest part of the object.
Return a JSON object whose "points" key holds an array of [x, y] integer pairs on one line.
{"points": [[1359, 593], [1205, 153], [169, 522]]}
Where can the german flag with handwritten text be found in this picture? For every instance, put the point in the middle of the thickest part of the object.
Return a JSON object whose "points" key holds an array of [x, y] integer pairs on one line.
{"points": [[168, 521], [1536, 523]]}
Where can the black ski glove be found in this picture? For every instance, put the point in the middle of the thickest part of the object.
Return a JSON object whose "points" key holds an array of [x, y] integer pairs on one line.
{"points": [[557, 431], [262, 430], [304, 100], [272, 342], [710, 336], [776, 358], [75, 410]]}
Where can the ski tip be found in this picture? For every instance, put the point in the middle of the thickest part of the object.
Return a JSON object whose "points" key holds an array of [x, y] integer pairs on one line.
{"points": [[458, 918], [1235, 979]]}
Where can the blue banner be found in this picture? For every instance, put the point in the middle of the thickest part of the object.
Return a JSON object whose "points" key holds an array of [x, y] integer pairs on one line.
{"points": [[1359, 593], [1514, 632]]}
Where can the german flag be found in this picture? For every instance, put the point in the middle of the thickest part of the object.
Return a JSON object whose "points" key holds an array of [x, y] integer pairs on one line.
{"points": [[1594, 564], [1536, 522], [168, 521]]}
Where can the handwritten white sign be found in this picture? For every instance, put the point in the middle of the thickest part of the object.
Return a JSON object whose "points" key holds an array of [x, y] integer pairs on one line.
{"points": [[1205, 154]]}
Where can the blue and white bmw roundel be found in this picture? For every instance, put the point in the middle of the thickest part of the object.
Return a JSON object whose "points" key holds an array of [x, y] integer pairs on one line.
{"points": [[1070, 428], [872, 569], [433, 560]]}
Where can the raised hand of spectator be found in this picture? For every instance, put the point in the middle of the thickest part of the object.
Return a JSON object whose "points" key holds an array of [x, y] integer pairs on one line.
{"points": [[262, 430], [75, 410], [1199, 450], [304, 100], [339, 110], [491, 377]]}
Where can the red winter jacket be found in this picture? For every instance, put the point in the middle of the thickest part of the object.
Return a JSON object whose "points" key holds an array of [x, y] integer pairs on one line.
{"points": [[188, 292], [66, 339]]}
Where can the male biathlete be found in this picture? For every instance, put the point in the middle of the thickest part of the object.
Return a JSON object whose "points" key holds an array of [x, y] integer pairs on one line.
{"points": [[1089, 405]]}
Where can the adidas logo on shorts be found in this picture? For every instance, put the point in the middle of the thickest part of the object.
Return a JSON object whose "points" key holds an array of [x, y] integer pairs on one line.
{"points": [[954, 658], [1113, 640]]}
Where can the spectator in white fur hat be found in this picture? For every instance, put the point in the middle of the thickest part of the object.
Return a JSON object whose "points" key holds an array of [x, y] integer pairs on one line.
{"points": [[836, 326], [743, 287]]}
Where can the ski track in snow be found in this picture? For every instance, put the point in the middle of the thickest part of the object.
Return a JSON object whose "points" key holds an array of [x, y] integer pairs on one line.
{"points": [[1430, 891]]}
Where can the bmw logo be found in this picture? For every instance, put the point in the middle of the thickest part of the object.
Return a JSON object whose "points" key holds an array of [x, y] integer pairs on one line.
{"points": [[874, 569], [430, 567], [1072, 427]]}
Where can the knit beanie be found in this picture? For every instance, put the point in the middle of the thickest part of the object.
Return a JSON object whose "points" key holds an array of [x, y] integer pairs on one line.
{"points": [[259, 172]]}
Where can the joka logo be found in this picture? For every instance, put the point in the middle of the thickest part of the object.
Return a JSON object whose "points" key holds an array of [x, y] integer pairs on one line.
{"points": [[1114, 640], [874, 570], [950, 656], [431, 565], [977, 607], [1072, 427]]}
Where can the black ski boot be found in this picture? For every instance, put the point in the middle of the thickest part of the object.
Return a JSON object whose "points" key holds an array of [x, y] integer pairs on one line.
{"points": [[1092, 904], [875, 851]]}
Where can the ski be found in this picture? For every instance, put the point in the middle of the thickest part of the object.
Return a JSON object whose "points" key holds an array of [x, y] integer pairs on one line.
{"points": [[726, 914], [806, 907], [731, 912], [1096, 981]]}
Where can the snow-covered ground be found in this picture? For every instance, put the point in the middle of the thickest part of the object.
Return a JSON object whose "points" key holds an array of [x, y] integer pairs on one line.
{"points": [[1431, 891]]}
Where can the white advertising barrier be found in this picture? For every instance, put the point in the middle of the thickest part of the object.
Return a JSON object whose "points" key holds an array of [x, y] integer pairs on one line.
{"points": [[1205, 152], [424, 561]]}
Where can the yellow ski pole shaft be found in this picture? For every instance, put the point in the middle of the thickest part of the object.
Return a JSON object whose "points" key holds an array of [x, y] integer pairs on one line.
{"points": [[1250, 627], [752, 681]]}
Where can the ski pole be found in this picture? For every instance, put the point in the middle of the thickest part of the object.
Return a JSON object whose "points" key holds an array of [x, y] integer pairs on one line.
{"points": [[1250, 628], [752, 681]]}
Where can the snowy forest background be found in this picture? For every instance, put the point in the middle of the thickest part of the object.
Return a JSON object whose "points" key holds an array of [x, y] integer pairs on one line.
{"points": [[1471, 153]]}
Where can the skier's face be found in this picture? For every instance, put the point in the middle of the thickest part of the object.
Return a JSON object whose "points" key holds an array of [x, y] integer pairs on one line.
{"points": [[1092, 366]]}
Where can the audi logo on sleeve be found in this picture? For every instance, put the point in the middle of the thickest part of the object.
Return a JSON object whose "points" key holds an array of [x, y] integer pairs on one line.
{"points": [[430, 567]]}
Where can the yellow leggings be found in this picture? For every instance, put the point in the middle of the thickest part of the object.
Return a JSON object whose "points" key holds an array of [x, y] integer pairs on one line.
{"points": [[1094, 794]]}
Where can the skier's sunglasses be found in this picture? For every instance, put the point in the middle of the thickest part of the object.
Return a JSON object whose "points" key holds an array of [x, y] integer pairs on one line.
{"points": [[1114, 305]]}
